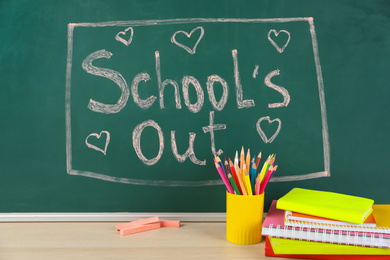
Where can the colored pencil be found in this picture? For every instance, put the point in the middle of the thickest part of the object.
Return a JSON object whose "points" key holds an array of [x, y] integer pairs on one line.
{"points": [[236, 163], [236, 178], [242, 159], [218, 160], [236, 158], [241, 179], [247, 180], [267, 174], [267, 178], [224, 178], [263, 170], [276, 166], [258, 159], [253, 173], [258, 185], [270, 163], [227, 168], [235, 188], [248, 160]]}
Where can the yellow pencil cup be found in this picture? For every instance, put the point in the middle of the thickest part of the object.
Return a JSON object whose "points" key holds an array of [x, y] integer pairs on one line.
{"points": [[244, 218]]}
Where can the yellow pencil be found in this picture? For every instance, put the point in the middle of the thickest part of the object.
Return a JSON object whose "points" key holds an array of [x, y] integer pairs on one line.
{"points": [[247, 181], [263, 170], [270, 162]]}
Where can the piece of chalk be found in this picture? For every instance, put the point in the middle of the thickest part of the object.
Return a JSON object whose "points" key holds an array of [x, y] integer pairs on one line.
{"points": [[141, 228], [137, 222], [170, 223]]}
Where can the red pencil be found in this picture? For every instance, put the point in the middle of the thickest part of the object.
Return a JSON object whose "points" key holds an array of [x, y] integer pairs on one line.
{"points": [[270, 172], [235, 176]]}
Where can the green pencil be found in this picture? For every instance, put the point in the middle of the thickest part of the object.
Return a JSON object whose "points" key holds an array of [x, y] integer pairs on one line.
{"points": [[235, 188]]}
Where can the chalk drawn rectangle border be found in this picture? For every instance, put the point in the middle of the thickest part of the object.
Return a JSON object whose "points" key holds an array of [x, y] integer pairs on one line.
{"points": [[325, 135]]}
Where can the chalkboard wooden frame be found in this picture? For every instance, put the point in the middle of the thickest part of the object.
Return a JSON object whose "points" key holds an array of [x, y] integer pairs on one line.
{"points": [[96, 217]]}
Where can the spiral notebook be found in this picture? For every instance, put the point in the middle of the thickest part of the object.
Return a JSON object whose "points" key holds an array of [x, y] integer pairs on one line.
{"points": [[273, 226], [302, 220], [370, 225]]}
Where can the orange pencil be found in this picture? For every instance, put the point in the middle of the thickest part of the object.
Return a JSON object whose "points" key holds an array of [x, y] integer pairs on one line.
{"points": [[240, 183], [241, 177], [248, 160], [242, 158], [258, 160]]}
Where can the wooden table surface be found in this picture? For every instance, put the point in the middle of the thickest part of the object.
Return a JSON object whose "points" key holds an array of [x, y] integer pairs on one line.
{"points": [[100, 240]]}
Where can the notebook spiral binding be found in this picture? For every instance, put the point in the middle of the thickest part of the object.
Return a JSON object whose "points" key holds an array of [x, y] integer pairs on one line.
{"points": [[356, 238], [297, 223]]}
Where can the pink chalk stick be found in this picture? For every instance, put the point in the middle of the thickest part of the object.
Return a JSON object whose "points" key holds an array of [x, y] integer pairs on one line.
{"points": [[137, 222], [170, 223], [140, 228]]}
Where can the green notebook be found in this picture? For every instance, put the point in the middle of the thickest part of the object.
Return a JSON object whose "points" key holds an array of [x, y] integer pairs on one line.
{"points": [[327, 205]]}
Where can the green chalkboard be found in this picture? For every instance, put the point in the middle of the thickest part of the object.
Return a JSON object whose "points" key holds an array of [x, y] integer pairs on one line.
{"points": [[119, 106]]}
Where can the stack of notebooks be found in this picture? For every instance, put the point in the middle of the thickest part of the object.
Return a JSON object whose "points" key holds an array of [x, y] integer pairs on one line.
{"points": [[311, 224]]}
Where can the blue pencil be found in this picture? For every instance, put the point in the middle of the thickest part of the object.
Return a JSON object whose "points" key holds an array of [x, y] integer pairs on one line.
{"points": [[252, 173], [218, 160]]}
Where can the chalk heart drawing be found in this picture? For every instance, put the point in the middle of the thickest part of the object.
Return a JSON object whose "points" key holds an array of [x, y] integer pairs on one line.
{"points": [[276, 34], [188, 49], [98, 136], [261, 132], [119, 38]]}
